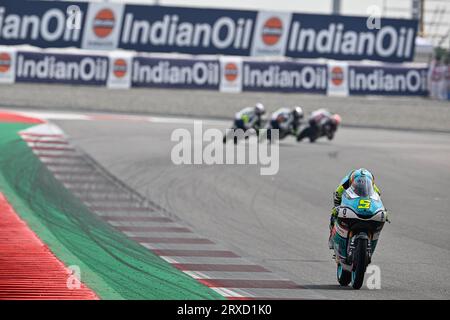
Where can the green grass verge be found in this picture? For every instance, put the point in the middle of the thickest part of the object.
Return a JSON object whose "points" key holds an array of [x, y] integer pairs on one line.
{"points": [[111, 264]]}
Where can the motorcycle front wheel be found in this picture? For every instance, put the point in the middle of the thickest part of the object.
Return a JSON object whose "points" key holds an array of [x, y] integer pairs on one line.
{"points": [[359, 264], [228, 136], [344, 277], [330, 136]]}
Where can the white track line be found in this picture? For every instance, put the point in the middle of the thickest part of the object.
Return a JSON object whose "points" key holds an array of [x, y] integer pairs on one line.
{"points": [[111, 117]]}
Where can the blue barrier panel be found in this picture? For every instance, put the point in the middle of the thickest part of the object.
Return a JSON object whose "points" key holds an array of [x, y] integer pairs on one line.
{"points": [[284, 77], [42, 24], [187, 30], [387, 80], [175, 73], [108, 26], [351, 38], [61, 68]]}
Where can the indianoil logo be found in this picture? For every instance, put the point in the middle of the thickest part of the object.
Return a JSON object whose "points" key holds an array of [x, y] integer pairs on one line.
{"points": [[231, 72], [120, 68], [337, 76], [5, 62], [272, 31], [104, 23]]}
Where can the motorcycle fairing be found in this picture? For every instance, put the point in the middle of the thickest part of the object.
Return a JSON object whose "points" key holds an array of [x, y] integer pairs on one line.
{"points": [[354, 206]]}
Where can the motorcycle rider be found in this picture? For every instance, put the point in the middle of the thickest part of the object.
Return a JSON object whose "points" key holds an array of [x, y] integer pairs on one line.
{"points": [[357, 180], [287, 120], [248, 118], [321, 122]]}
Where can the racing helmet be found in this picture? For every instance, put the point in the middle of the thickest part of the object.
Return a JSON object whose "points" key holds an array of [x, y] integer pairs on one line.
{"points": [[337, 119], [298, 112], [259, 108], [361, 182]]}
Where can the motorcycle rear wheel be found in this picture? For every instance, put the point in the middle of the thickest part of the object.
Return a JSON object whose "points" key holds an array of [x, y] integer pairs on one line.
{"points": [[359, 264], [343, 277]]}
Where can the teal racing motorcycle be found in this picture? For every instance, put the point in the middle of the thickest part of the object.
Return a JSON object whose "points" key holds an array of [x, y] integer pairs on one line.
{"points": [[360, 219]]}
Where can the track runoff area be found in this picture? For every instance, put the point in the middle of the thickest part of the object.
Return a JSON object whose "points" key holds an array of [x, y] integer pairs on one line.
{"points": [[235, 233]]}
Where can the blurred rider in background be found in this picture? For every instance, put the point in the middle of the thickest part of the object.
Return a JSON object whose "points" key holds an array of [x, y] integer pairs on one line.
{"points": [[321, 123], [287, 120], [437, 79], [248, 118]]}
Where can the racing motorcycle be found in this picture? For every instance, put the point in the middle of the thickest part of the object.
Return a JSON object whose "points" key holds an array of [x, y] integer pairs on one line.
{"points": [[236, 135], [282, 124], [314, 132], [237, 132], [360, 219]]}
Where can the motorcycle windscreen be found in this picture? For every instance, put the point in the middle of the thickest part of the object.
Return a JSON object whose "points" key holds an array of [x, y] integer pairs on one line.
{"points": [[363, 186]]}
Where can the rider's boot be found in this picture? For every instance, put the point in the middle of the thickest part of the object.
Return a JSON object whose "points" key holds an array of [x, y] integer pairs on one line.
{"points": [[330, 242]]}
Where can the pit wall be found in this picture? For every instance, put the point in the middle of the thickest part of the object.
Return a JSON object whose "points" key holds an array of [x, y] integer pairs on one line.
{"points": [[125, 69]]}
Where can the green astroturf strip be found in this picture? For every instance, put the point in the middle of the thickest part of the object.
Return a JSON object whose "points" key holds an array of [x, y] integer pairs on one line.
{"points": [[112, 265]]}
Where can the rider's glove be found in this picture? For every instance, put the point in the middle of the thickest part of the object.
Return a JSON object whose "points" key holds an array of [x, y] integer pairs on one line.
{"points": [[334, 212]]}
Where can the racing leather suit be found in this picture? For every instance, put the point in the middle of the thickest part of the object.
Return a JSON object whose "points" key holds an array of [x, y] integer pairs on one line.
{"points": [[319, 119], [247, 119], [290, 123]]}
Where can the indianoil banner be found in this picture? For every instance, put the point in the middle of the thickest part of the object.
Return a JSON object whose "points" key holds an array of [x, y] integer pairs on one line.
{"points": [[46, 67], [388, 80], [160, 72], [121, 70], [284, 76], [143, 28]]}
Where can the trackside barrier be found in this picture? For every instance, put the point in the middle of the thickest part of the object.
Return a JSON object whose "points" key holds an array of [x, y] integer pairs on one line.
{"points": [[61, 68], [175, 73], [124, 69], [145, 28]]}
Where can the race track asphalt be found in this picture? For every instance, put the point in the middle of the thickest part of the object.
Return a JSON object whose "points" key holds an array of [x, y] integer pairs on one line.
{"points": [[281, 221]]}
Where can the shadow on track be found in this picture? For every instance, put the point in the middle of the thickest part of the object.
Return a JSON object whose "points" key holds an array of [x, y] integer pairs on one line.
{"points": [[326, 287]]}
